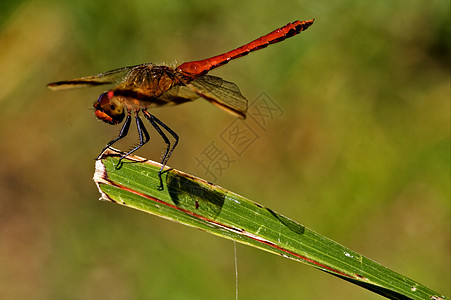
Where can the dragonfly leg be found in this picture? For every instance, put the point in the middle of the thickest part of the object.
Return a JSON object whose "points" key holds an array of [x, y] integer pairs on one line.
{"points": [[143, 137], [122, 134], [156, 123]]}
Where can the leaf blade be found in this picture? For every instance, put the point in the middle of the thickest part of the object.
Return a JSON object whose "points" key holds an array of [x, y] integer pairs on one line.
{"points": [[197, 203]]}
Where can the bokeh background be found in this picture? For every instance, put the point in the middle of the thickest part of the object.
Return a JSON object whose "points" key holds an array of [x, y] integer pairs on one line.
{"points": [[360, 154]]}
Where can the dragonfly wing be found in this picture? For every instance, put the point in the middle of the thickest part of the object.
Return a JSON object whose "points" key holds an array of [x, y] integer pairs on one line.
{"points": [[222, 93], [177, 94], [110, 77]]}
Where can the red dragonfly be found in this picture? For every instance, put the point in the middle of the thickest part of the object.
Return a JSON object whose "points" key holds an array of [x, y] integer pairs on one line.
{"points": [[141, 87]]}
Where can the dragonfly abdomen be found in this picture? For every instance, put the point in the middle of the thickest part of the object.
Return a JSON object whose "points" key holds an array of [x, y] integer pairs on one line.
{"points": [[195, 68]]}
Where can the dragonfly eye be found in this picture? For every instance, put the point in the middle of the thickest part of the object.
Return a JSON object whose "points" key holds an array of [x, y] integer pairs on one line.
{"points": [[109, 109]]}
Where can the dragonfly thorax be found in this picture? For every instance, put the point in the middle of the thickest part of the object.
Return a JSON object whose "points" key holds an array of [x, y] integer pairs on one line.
{"points": [[109, 109]]}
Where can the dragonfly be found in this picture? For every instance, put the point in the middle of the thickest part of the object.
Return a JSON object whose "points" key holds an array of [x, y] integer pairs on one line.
{"points": [[141, 87]]}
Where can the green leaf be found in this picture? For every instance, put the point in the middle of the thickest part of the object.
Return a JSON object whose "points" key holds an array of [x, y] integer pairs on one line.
{"points": [[197, 203]]}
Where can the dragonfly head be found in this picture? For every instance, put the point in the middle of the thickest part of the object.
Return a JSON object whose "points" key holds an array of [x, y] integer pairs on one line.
{"points": [[109, 109]]}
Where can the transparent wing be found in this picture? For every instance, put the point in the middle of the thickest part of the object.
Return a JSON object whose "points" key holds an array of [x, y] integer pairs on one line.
{"points": [[177, 94], [222, 93], [110, 77]]}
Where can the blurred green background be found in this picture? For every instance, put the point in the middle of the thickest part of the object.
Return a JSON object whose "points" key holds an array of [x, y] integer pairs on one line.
{"points": [[361, 153]]}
